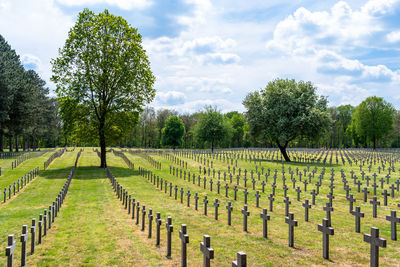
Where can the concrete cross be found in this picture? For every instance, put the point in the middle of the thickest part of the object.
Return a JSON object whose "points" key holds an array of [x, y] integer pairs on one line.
{"points": [[351, 200], [24, 240], [150, 216], [298, 190], [245, 213], [385, 194], [208, 252], [287, 203], [205, 201], [158, 226], [393, 222], [33, 234], [170, 229], [184, 240], [265, 217], [328, 209], [143, 217], [376, 242], [137, 212], [374, 203], [216, 205], [326, 232], [292, 223], [271, 201], [257, 195], [306, 206], [10, 250], [358, 215], [229, 209], [241, 260]]}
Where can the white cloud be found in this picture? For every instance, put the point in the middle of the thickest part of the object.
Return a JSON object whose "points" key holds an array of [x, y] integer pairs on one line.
{"points": [[35, 29], [393, 37], [171, 98], [31, 60], [122, 4]]}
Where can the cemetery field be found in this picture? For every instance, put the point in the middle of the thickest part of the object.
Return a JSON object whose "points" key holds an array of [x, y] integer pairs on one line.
{"points": [[93, 224]]}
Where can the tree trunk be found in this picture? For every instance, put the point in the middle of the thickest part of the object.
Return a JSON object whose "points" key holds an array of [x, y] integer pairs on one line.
{"points": [[34, 143], [24, 142], [103, 162], [1, 141], [16, 143], [212, 146], [374, 141], [29, 143], [10, 143], [284, 153]]}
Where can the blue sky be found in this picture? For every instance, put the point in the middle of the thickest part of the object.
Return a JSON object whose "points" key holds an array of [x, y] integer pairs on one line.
{"points": [[215, 52]]}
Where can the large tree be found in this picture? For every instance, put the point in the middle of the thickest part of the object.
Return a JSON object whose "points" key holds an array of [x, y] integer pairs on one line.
{"points": [[103, 69], [284, 110], [173, 132], [373, 119], [212, 127]]}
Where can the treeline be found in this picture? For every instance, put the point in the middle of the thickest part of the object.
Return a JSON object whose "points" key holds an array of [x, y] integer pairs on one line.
{"points": [[346, 130], [28, 116]]}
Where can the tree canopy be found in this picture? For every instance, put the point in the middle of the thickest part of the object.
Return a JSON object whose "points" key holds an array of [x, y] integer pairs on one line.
{"points": [[25, 108], [373, 119], [284, 110], [173, 132], [104, 76], [212, 127]]}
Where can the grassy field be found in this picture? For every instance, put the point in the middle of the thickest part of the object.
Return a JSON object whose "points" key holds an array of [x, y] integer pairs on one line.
{"points": [[94, 229]]}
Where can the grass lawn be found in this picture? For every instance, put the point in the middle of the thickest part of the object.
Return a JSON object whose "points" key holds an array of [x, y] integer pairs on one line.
{"points": [[94, 229]]}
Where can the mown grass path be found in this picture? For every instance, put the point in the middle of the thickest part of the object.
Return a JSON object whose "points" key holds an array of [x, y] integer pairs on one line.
{"points": [[92, 229], [10, 176], [33, 200]]}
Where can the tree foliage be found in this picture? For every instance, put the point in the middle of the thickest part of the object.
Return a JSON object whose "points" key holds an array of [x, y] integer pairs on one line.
{"points": [[373, 119], [284, 110], [172, 133], [25, 108], [103, 71], [212, 127]]}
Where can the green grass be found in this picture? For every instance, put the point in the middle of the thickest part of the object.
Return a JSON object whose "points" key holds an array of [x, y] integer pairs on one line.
{"points": [[94, 229]]}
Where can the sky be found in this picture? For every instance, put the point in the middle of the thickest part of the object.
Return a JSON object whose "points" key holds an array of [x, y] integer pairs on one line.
{"points": [[205, 52]]}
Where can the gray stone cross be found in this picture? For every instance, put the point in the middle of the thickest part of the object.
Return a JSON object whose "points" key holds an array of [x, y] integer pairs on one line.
{"points": [[245, 213], [241, 260], [170, 229], [358, 215], [376, 242], [326, 232], [374, 203], [393, 222], [184, 240], [292, 223], [208, 252], [229, 209], [24, 240], [265, 217], [10, 250]]}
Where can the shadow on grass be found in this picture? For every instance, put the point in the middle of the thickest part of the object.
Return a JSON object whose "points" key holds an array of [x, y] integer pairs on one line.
{"points": [[87, 172]]}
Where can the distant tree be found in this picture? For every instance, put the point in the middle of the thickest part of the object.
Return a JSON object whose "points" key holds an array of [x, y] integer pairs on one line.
{"points": [[345, 113], [104, 70], [284, 110], [11, 72], [238, 123], [190, 121], [162, 116], [173, 132], [373, 119], [212, 127]]}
